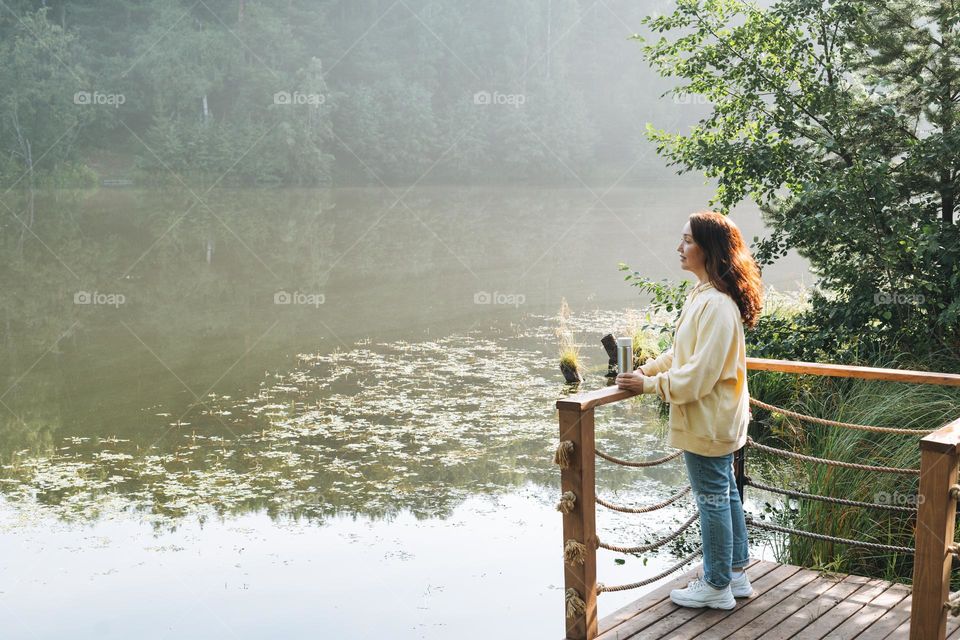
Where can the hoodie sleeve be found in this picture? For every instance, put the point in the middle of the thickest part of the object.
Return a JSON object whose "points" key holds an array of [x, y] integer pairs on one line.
{"points": [[653, 366], [716, 331]]}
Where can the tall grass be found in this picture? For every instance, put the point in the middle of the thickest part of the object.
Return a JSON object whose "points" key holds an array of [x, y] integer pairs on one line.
{"points": [[568, 349], [646, 344]]}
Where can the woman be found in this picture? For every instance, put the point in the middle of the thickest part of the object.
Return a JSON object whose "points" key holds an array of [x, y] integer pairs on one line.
{"points": [[704, 378]]}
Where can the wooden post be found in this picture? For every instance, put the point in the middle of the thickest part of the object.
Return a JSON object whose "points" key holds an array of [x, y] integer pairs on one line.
{"points": [[576, 425], [936, 515], [740, 469]]}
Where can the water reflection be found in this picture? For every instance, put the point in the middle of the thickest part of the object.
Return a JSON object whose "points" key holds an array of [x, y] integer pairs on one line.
{"points": [[375, 430]]}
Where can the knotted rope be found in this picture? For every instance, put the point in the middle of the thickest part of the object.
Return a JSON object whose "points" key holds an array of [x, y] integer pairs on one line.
{"points": [[567, 502], [834, 463], [835, 423], [953, 604], [564, 454], [574, 552], [575, 604]]}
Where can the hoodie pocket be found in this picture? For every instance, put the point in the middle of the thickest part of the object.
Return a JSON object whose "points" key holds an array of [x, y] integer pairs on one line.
{"points": [[681, 416]]}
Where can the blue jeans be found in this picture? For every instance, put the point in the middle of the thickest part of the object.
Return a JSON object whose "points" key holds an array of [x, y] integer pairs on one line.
{"points": [[722, 525]]}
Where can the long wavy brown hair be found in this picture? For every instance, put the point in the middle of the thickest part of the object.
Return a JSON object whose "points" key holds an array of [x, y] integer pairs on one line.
{"points": [[729, 263]]}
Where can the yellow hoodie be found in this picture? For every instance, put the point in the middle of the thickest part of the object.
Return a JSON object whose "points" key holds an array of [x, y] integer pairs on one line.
{"points": [[704, 376]]}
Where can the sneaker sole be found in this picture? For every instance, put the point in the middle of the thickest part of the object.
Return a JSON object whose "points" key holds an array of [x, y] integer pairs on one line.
{"points": [[742, 594], [698, 604]]}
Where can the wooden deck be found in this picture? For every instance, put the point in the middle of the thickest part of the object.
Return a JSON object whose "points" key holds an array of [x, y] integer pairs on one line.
{"points": [[788, 602]]}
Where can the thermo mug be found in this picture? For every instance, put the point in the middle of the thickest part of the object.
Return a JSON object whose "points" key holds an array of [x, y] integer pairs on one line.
{"points": [[624, 355]]}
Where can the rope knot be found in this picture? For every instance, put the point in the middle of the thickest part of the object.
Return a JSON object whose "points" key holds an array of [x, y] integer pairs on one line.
{"points": [[953, 604], [575, 604], [567, 502], [574, 552], [564, 454]]}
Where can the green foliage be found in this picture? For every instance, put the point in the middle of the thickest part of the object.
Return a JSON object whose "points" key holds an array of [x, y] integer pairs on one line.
{"points": [[39, 118], [666, 297], [218, 107], [838, 120]]}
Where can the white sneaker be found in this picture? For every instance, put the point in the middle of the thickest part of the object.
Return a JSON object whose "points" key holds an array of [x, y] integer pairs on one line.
{"points": [[699, 594], [740, 585]]}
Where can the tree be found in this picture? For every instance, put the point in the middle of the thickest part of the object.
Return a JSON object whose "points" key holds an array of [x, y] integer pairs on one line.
{"points": [[838, 119], [44, 102]]}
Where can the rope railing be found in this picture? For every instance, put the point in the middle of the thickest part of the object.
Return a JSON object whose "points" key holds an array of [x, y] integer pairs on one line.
{"points": [[645, 463], [876, 546], [814, 496], [602, 588], [647, 509], [827, 461], [653, 545], [834, 423], [565, 450]]}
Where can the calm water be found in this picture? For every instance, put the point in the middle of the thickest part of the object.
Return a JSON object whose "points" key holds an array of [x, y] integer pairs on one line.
{"points": [[317, 413]]}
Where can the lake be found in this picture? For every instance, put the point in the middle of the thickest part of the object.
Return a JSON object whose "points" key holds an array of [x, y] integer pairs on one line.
{"points": [[320, 412]]}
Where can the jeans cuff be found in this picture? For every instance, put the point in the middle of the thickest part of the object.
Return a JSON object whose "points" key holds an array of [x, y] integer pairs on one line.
{"points": [[715, 586]]}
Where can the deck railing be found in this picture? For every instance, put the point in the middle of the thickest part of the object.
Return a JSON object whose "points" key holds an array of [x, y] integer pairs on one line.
{"points": [[937, 498]]}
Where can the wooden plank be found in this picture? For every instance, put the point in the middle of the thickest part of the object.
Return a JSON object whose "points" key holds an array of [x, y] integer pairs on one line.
{"points": [[848, 371], [705, 624], [891, 619], [794, 602], [664, 616], [853, 626], [652, 597], [667, 617], [850, 605], [936, 517], [591, 399], [955, 633], [903, 631], [644, 602], [788, 627], [580, 524], [733, 624]]}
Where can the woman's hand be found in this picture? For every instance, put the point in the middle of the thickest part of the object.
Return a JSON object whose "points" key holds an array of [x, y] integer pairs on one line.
{"points": [[631, 381]]}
